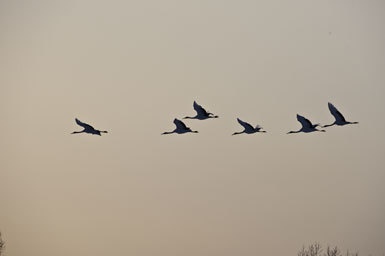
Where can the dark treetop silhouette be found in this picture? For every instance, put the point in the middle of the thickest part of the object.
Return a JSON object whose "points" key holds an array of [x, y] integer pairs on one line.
{"points": [[202, 114], [88, 128], [249, 129], [180, 128], [340, 119], [307, 126], [1, 244]]}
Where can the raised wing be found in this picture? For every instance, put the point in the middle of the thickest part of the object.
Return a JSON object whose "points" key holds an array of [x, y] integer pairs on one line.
{"points": [[200, 110], [247, 126], [304, 121], [84, 125], [180, 125], [337, 114]]}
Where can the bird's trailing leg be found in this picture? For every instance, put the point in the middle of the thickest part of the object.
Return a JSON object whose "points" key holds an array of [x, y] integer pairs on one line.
{"points": [[167, 133], [328, 125]]}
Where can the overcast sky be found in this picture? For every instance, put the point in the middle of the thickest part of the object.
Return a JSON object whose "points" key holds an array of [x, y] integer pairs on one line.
{"points": [[131, 67]]}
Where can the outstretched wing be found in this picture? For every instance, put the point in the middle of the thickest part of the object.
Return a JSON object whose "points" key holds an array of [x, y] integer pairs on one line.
{"points": [[199, 109], [247, 126], [179, 124], [337, 114], [84, 125], [304, 121]]}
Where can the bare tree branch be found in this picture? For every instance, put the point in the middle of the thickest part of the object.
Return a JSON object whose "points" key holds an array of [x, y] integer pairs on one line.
{"points": [[351, 254], [312, 250], [333, 251], [315, 249], [303, 252], [1, 244]]}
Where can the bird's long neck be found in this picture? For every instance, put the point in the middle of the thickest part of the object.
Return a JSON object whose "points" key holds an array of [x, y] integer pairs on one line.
{"points": [[104, 131], [194, 131], [235, 133], [262, 131], [189, 117], [294, 131], [352, 122], [321, 130], [77, 132]]}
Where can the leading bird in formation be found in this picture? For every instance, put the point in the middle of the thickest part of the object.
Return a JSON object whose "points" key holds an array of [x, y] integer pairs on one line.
{"points": [[88, 128], [249, 129], [339, 118], [307, 126]]}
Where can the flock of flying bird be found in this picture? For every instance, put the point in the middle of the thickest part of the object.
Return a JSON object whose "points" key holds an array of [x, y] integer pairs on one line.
{"points": [[202, 114]]}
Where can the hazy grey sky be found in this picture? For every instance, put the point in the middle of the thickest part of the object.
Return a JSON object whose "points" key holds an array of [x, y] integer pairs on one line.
{"points": [[131, 67]]}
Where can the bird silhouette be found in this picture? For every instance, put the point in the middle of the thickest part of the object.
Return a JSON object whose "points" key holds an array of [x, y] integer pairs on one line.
{"points": [[88, 128], [249, 129], [180, 128], [307, 126], [202, 114], [339, 118]]}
